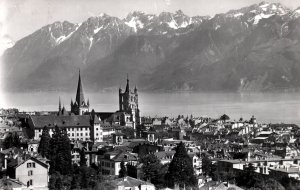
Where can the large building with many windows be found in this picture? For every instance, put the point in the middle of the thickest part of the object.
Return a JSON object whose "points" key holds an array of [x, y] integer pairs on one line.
{"points": [[78, 127]]}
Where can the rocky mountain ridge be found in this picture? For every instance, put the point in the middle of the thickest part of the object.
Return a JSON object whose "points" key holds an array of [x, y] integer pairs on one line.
{"points": [[254, 48]]}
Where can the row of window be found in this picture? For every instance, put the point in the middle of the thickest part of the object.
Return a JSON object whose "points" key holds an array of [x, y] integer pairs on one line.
{"points": [[30, 165], [79, 129], [107, 164], [75, 156], [77, 134], [105, 172], [70, 129], [73, 138]]}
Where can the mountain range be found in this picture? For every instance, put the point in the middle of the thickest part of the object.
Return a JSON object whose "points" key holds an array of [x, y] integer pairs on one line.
{"points": [[254, 48]]}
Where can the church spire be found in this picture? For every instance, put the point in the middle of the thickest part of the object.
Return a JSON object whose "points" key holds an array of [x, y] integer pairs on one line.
{"points": [[59, 104], [79, 95], [127, 85]]}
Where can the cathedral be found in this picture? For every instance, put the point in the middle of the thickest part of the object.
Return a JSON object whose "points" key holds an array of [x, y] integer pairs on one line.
{"points": [[79, 107], [128, 114]]}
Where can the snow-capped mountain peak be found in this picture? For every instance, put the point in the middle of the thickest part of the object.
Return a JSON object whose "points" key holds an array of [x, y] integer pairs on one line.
{"points": [[296, 13], [254, 13]]}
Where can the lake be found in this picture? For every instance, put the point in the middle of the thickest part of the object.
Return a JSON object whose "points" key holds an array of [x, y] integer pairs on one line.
{"points": [[266, 107]]}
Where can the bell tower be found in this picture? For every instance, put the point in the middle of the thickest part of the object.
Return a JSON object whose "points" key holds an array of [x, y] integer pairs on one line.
{"points": [[128, 103]]}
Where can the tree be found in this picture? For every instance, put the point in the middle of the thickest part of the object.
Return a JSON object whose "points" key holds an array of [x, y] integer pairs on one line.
{"points": [[128, 132], [44, 143], [85, 177], [224, 117], [123, 170], [181, 170], [12, 140], [60, 152], [58, 184], [82, 161], [64, 157], [152, 169], [206, 165], [269, 184]]}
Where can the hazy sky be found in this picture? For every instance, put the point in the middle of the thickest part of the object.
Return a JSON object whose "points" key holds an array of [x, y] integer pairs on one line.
{"points": [[19, 18]]}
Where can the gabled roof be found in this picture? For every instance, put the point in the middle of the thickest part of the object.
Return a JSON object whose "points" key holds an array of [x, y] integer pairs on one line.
{"points": [[129, 182], [164, 154], [50, 121], [121, 155], [35, 160]]}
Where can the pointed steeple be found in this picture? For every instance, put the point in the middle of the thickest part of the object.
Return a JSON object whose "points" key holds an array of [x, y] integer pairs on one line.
{"points": [[59, 104], [127, 85], [79, 95], [135, 89]]}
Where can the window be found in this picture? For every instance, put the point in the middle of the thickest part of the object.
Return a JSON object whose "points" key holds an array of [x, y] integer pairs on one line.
{"points": [[96, 134], [30, 173], [28, 165], [33, 164], [72, 134], [86, 134], [81, 134], [30, 182], [96, 129]]}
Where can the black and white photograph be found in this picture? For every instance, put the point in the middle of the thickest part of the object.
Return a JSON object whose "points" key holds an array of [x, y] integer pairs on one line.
{"points": [[149, 95]]}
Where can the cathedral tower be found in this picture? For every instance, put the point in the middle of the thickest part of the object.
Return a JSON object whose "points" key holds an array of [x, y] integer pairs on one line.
{"points": [[128, 103], [79, 107]]}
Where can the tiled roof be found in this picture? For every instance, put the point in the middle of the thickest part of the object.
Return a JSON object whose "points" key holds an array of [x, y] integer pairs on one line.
{"points": [[102, 115], [13, 150], [121, 155], [170, 154], [35, 160], [61, 121], [129, 182]]}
